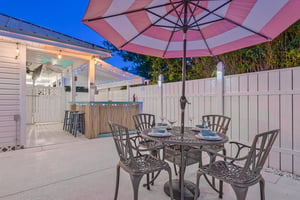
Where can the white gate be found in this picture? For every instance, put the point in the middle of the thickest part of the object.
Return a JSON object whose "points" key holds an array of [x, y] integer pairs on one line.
{"points": [[44, 104]]}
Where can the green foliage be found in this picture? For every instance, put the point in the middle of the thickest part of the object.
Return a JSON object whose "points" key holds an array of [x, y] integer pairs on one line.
{"points": [[280, 53]]}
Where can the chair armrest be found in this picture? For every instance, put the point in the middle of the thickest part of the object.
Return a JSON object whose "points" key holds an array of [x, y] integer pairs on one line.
{"points": [[214, 154], [241, 145], [136, 140]]}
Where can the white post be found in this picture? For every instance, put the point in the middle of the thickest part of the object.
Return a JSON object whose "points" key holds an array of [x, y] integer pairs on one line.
{"points": [[160, 84], [107, 94], [220, 88], [22, 119], [91, 79], [73, 84], [128, 92]]}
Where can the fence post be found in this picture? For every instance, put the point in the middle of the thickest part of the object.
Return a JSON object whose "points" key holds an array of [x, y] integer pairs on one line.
{"points": [[220, 88], [128, 92]]}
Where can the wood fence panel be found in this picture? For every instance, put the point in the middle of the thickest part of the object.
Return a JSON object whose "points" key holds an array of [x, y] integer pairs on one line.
{"points": [[274, 123], [296, 120], [244, 114], [274, 116], [296, 136], [235, 108], [286, 111]]}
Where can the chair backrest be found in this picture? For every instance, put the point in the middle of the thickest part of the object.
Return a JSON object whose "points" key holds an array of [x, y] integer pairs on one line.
{"points": [[217, 123], [143, 121], [122, 141], [259, 151]]}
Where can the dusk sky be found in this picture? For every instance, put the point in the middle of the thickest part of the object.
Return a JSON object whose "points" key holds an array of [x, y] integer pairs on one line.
{"points": [[60, 15]]}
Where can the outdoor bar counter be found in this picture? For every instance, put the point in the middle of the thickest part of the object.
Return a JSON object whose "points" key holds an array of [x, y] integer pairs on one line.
{"points": [[98, 113]]}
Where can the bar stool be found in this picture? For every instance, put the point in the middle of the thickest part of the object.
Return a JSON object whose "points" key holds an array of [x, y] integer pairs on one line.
{"points": [[78, 123], [71, 120], [82, 121], [66, 119]]}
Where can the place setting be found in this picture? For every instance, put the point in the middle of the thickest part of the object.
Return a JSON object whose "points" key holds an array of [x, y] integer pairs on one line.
{"points": [[162, 129], [204, 133]]}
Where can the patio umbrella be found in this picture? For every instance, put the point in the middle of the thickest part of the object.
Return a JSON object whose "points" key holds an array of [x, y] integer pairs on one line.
{"points": [[189, 28]]}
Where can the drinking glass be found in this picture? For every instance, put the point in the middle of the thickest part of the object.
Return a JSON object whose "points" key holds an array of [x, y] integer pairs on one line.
{"points": [[162, 118], [171, 122]]}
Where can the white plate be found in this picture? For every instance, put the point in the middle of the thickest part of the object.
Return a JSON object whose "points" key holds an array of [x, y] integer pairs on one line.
{"points": [[200, 136], [196, 129], [165, 134]]}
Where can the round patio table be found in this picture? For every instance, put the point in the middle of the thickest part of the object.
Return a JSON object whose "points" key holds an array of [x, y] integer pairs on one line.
{"points": [[187, 139]]}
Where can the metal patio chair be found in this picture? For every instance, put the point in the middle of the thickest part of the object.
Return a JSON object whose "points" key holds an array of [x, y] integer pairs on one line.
{"points": [[136, 166], [241, 171], [220, 124], [144, 121]]}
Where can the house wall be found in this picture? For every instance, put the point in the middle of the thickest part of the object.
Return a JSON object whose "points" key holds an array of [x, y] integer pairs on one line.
{"points": [[256, 102], [12, 96]]}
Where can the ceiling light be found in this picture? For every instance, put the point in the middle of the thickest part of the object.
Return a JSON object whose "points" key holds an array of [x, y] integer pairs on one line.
{"points": [[17, 49], [59, 56]]}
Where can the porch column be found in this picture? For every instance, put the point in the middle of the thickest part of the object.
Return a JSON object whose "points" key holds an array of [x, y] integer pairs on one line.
{"points": [[91, 79], [73, 84], [21, 138], [220, 88]]}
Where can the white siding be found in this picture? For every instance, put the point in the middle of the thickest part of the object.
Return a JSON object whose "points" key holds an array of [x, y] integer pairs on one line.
{"points": [[10, 81]]}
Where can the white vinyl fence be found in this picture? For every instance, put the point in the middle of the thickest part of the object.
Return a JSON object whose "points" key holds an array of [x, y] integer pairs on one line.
{"points": [[256, 102], [44, 104]]}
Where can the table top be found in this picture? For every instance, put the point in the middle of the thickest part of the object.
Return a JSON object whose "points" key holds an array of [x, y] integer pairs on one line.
{"points": [[189, 137]]}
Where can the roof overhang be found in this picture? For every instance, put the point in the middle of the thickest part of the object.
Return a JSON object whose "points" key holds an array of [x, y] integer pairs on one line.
{"points": [[96, 52]]}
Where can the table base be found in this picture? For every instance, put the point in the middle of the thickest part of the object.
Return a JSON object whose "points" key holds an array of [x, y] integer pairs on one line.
{"points": [[189, 189]]}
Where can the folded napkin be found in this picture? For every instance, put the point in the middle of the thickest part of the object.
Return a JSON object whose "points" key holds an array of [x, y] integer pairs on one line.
{"points": [[207, 133], [158, 130], [161, 124], [201, 126]]}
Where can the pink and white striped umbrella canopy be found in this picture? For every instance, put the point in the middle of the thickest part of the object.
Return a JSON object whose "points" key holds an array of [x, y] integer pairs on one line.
{"points": [[213, 27]]}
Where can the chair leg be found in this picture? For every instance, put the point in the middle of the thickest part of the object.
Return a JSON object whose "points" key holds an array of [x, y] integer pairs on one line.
{"points": [[170, 183], [240, 192], [148, 180], [135, 180], [152, 178], [175, 169], [197, 185], [220, 189], [262, 188], [117, 182]]}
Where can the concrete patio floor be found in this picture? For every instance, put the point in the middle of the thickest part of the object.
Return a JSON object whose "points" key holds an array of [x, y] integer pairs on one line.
{"points": [[82, 169]]}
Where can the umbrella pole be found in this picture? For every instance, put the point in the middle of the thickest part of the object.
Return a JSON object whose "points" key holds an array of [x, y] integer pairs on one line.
{"points": [[183, 102]]}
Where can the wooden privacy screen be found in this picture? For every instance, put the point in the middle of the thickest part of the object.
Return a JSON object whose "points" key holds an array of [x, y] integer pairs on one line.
{"points": [[98, 115]]}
